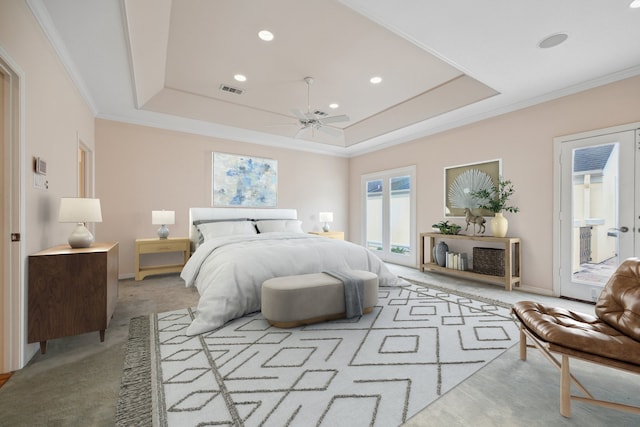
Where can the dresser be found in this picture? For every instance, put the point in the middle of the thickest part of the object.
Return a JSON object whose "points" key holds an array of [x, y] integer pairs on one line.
{"points": [[71, 291]]}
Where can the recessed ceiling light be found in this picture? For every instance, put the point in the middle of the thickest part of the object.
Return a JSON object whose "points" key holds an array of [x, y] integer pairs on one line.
{"points": [[265, 35], [333, 106], [553, 40], [634, 4], [240, 77], [375, 80]]}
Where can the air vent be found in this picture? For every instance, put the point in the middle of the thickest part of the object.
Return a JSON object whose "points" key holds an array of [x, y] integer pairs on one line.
{"points": [[320, 113], [231, 89]]}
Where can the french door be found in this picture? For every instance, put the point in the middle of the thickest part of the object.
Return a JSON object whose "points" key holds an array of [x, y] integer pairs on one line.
{"points": [[598, 209], [388, 215]]}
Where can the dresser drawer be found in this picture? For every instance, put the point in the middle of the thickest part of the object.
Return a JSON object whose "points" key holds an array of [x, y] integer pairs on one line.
{"points": [[160, 246]]}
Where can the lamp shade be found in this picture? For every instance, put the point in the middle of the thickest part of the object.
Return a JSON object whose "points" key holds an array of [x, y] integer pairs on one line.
{"points": [[163, 217], [78, 209], [325, 216]]}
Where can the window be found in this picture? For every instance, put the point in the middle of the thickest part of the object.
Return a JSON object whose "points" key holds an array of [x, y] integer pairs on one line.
{"points": [[389, 214]]}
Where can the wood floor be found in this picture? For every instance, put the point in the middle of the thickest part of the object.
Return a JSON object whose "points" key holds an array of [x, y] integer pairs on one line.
{"points": [[4, 378]]}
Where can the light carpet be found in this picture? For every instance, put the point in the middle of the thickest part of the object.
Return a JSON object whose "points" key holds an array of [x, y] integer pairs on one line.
{"points": [[375, 370]]}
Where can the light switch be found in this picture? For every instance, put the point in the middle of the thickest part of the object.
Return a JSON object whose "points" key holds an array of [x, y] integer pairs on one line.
{"points": [[40, 182]]}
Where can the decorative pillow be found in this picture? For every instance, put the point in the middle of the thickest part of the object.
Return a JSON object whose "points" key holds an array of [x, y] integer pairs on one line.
{"points": [[619, 302], [210, 230], [270, 225]]}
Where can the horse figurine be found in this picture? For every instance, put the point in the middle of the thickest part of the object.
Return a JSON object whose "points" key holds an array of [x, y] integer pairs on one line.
{"points": [[475, 220]]}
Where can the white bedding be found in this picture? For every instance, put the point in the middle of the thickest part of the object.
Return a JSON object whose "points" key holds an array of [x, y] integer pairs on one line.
{"points": [[228, 271]]}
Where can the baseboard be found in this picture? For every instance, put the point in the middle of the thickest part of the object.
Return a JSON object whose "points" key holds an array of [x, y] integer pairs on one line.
{"points": [[534, 290]]}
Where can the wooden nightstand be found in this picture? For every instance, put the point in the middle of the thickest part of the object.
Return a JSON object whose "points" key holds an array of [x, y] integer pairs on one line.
{"points": [[158, 246], [71, 291], [338, 235]]}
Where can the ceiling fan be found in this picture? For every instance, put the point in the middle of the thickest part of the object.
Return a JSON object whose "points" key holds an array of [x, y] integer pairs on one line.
{"points": [[315, 121]]}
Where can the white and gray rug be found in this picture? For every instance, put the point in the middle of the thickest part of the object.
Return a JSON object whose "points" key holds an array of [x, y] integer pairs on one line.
{"points": [[376, 370]]}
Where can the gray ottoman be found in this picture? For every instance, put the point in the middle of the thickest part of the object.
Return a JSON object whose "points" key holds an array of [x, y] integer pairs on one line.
{"points": [[310, 298]]}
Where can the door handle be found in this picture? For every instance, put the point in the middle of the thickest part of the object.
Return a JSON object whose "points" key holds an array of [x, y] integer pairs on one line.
{"points": [[613, 232]]}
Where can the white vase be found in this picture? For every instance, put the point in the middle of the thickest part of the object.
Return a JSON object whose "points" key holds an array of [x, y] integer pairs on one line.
{"points": [[499, 225]]}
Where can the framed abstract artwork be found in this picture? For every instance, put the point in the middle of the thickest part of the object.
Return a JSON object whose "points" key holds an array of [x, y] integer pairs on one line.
{"points": [[244, 181], [462, 180]]}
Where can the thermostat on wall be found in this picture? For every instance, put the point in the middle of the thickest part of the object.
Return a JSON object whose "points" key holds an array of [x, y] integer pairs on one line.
{"points": [[41, 166]]}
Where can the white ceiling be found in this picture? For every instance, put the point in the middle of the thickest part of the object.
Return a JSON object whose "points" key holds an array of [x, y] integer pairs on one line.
{"points": [[443, 64]]}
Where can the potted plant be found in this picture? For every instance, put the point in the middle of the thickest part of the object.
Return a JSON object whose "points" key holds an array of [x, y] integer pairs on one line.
{"points": [[496, 200], [446, 228]]}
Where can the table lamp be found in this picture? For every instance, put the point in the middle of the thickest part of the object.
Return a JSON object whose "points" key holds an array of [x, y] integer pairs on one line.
{"points": [[325, 217], [163, 218], [80, 210]]}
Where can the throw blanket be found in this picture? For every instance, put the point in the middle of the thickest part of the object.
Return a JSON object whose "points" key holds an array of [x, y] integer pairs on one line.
{"points": [[353, 292]]}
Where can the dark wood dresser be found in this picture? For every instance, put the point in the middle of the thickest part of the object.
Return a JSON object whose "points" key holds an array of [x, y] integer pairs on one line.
{"points": [[71, 291]]}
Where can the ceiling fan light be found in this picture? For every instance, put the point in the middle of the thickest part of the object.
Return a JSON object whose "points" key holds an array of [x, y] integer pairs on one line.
{"points": [[375, 80], [265, 35], [240, 77], [333, 106]]}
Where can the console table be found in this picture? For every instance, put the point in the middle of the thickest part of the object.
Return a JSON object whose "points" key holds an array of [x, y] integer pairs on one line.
{"points": [[512, 258], [71, 291]]}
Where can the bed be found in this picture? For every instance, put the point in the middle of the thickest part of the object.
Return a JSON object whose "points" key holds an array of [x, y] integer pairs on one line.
{"points": [[234, 250]]}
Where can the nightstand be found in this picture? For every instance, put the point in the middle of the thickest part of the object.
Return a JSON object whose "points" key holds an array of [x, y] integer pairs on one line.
{"points": [[159, 246], [338, 235], [71, 291]]}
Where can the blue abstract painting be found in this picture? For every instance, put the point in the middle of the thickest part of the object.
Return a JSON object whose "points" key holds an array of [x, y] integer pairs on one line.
{"points": [[244, 181]]}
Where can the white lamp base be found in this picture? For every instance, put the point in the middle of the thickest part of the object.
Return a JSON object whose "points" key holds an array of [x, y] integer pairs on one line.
{"points": [[163, 232], [325, 227], [81, 237]]}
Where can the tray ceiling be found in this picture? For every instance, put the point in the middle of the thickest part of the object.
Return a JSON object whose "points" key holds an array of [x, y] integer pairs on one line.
{"points": [[442, 64]]}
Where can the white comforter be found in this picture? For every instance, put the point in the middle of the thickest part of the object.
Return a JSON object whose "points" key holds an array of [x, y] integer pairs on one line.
{"points": [[228, 271]]}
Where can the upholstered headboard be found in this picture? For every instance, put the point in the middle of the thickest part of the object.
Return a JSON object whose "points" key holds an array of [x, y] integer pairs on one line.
{"points": [[222, 214]]}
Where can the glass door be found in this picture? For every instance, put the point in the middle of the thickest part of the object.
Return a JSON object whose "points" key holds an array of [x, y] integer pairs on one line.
{"points": [[389, 215], [597, 219]]}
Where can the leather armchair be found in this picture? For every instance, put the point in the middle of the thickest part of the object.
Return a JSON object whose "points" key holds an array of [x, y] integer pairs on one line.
{"points": [[611, 338]]}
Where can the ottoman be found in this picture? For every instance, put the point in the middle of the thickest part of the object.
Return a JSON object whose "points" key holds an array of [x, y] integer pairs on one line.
{"points": [[291, 301]]}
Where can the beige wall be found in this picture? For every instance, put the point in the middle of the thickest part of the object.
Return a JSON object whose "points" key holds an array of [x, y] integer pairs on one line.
{"points": [[140, 169], [524, 141], [54, 116]]}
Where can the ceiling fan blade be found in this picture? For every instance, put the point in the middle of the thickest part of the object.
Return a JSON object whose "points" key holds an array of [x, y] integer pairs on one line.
{"points": [[334, 119], [329, 130], [300, 131], [299, 114]]}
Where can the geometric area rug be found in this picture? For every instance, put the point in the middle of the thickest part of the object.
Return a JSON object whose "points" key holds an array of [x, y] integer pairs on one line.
{"points": [[379, 369]]}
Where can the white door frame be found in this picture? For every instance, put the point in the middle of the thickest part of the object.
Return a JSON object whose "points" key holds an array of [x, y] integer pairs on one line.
{"points": [[12, 283], [557, 202]]}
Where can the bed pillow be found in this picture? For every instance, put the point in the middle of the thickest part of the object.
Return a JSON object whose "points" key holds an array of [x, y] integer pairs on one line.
{"points": [[271, 225], [211, 230], [206, 221]]}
